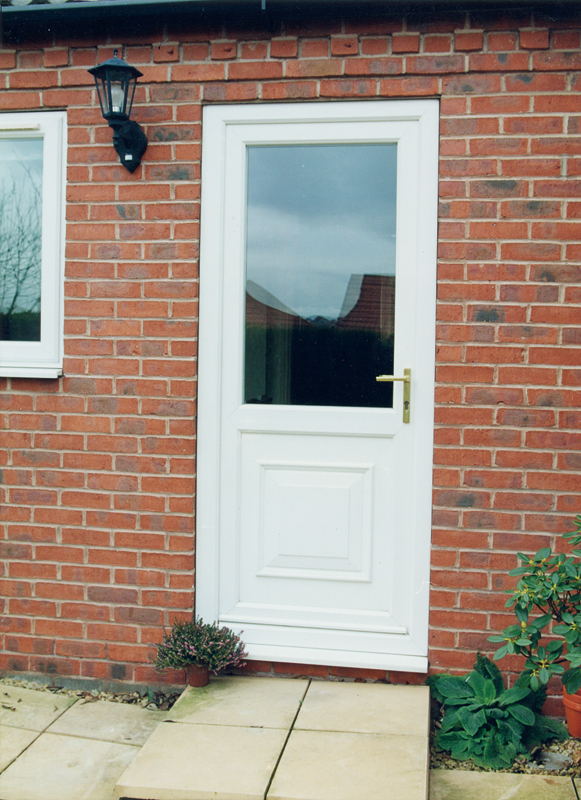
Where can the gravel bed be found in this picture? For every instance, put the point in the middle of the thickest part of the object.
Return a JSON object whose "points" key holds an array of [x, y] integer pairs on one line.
{"points": [[559, 758], [153, 700]]}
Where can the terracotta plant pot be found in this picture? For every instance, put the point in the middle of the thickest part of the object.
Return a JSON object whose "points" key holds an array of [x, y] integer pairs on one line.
{"points": [[573, 712], [197, 675]]}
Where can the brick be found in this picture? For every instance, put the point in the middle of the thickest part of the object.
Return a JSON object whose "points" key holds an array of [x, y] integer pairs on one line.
{"points": [[315, 48], [309, 670], [374, 46], [405, 43], [438, 65], [461, 457], [374, 66], [347, 88], [164, 53], [469, 40], [409, 86], [344, 46], [283, 48], [527, 82], [226, 92], [33, 79], [317, 67], [498, 62], [223, 50]]}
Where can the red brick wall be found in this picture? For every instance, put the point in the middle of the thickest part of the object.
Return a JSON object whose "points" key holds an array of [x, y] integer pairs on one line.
{"points": [[98, 467]]}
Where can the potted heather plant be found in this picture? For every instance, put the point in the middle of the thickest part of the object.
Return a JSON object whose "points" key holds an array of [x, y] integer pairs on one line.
{"points": [[199, 648], [550, 585]]}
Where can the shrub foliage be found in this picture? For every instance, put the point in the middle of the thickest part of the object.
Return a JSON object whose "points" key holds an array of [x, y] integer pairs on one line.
{"points": [[197, 642], [485, 722]]}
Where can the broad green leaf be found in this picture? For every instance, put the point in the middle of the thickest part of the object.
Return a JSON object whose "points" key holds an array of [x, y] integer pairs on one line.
{"points": [[551, 728], [471, 722], [514, 695], [488, 669], [450, 686], [454, 739], [450, 719], [489, 692], [544, 675], [522, 714], [572, 680], [477, 683], [543, 554], [500, 653], [515, 726]]}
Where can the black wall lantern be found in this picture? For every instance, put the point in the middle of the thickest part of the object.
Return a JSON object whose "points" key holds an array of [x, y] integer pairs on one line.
{"points": [[115, 80]]}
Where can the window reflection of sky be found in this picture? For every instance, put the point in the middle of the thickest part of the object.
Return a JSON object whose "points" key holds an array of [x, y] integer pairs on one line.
{"points": [[316, 215], [20, 211]]}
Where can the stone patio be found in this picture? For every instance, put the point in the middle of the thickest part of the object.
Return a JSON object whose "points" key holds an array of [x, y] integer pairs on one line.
{"points": [[240, 739], [285, 739]]}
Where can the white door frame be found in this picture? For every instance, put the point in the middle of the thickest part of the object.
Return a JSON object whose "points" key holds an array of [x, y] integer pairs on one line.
{"points": [[216, 238]]}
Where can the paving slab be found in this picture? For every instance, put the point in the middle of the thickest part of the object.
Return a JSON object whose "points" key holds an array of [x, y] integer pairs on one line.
{"points": [[13, 742], [331, 765], [196, 762], [365, 708], [111, 722], [244, 702], [57, 767], [458, 784], [30, 709]]}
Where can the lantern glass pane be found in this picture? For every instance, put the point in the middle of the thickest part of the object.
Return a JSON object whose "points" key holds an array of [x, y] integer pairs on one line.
{"points": [[101, 84], [117, 97]]}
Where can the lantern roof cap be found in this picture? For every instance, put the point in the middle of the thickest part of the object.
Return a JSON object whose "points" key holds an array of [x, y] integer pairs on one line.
{"points": [[115, 63]]}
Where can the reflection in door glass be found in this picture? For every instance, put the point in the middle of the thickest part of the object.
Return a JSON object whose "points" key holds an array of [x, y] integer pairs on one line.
{"points": [[20, 238], [320, 274]]}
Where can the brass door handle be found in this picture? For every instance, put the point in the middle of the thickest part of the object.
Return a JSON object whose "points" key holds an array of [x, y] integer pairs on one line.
{"points": [[407, 379]]}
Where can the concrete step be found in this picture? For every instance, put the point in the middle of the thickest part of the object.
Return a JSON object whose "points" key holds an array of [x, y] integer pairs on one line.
{"points": [[285, 739]]}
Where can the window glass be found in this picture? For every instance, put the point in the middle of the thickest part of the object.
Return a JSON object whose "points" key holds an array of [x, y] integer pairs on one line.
{"points": [[320, 270], [20, 238]]}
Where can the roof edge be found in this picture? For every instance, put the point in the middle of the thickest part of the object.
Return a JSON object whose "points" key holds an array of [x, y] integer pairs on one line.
{"points": [[87, 6]]}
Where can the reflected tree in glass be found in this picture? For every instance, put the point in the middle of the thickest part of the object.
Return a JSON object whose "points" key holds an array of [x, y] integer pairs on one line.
{"points": [[320, 274], [20, 238]]}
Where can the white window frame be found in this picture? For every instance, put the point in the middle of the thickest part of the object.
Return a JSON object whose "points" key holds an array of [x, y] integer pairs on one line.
{"points": [[43, 359]]}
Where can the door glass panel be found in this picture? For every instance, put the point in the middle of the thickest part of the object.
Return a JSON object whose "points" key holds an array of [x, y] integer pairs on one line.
{"points": [[20, 238], [320, 274]]}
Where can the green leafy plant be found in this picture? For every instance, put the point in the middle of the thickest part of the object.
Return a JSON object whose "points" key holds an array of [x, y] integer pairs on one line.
{"points": [[550, 583], [485, 722], [197, 642]]}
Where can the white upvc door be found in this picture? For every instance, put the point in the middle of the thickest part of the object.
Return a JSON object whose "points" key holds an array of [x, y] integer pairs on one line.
{"points": [[318, 270]]}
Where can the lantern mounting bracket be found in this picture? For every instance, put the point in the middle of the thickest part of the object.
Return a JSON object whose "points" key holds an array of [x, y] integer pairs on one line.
{"points": [[129, 141]]}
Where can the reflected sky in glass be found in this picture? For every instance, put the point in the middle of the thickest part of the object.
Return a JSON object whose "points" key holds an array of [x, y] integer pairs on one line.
{"points": [[20, 224], [318, 214]]}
